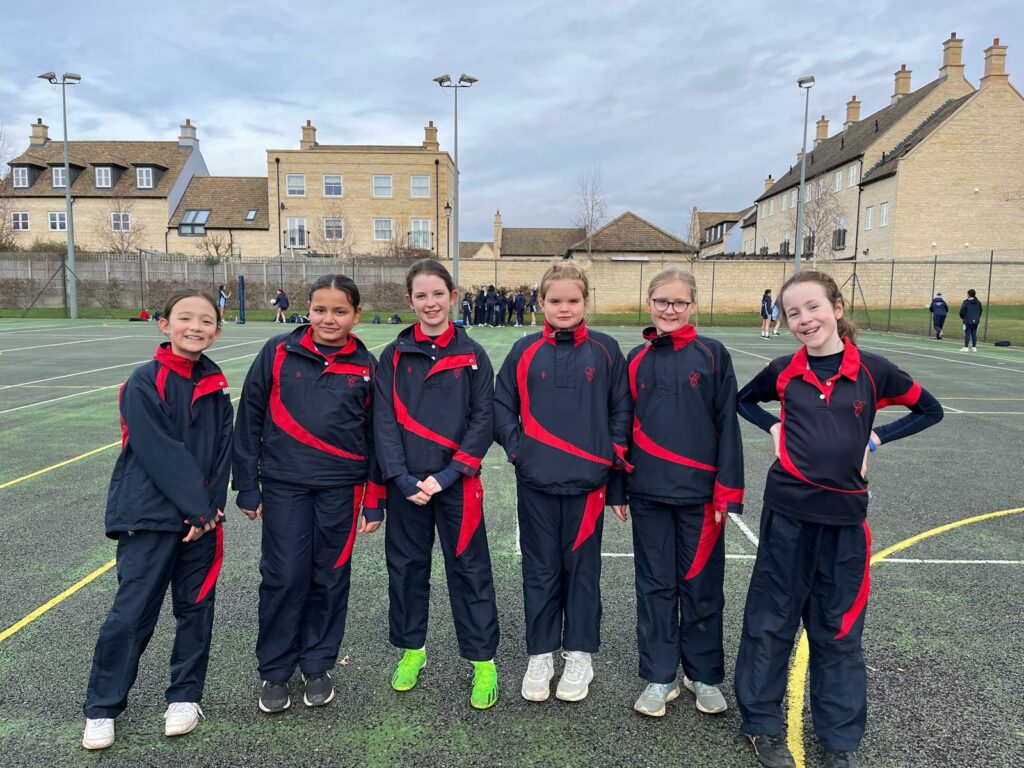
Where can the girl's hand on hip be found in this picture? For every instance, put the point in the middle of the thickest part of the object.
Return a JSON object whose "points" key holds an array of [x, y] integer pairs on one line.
{"points": [[776, 433]]}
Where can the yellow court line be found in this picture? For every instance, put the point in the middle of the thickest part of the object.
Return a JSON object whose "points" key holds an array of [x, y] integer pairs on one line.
{"points": [[58, 599], [798, 674], [58, 465]]}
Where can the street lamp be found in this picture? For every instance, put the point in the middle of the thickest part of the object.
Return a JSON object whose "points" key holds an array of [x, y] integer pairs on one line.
{"points": [[465, 81], [806, 82], [68, 78], [448, 229]]}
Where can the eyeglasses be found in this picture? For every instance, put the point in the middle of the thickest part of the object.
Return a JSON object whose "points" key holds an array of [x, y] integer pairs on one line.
{"points": [[679, 306]]}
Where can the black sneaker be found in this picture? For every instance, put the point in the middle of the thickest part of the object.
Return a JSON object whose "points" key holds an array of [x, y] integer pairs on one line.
{"points": [[772, 751], [841, 759], [274, 696], [319, 690]]}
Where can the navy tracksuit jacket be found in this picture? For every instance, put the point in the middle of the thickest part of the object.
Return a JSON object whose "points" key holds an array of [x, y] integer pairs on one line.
{"points": [[815, 545], [688, 461], [433, 413], [304, 435], [562, 413], [172, 473]]}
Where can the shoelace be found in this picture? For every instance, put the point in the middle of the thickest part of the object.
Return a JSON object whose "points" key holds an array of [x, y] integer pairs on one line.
{"points": [[183, 707], [536, 669], [658, 689], [573, 667]]}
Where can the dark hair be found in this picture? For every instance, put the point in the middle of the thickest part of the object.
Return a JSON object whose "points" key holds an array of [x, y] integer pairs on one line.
{"points": [[971, 292], [428, 267], [342, 283], [766, 291], [844, 325], [188, 293]]}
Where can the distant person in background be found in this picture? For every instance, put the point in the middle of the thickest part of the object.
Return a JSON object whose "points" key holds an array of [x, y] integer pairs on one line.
{"points": [[489, 304], [775, 317], [479, 307], [532, 306], [970, 313], [281, 302], [939, 309], [223, 294], [766, 312], [520, 307], [467, 310], [502, 306]]}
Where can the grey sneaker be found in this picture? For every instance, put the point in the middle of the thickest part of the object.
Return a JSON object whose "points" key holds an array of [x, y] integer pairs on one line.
{"points": [[710, 700], [841, 760], [574, 685], [319, 690], [652, 701], [537, 680], [772, 751], [274, 696]]}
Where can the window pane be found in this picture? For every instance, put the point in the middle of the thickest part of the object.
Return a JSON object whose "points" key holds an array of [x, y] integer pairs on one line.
{"points": [[102, 177], [21, 177], [421, 233], [58, 177], [334, 229], [420, 186], [296, 184], [382, 229], [382, 186], [202, 216], [144, 178], [296, 233], [332, 185], [251, 215]]}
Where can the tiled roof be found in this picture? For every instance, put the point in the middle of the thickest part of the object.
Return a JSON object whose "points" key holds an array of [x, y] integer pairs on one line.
{"points": [[88, 154], [707, 219], [538, 241], [886, 166], [468, 248], [228, 198], [751, 219], [631, 234], [850, 143]]}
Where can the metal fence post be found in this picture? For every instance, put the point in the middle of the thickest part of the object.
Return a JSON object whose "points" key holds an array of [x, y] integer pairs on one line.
{"points": [[892, 276], [935, 267], [988, 295], [142, 282]]}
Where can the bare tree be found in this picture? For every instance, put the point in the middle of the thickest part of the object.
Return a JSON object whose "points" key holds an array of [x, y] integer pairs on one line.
{"points": [[215, 246], [822, 218], [120, 231], [331, 235], [400, 247], [7, 239], [591, 210]]}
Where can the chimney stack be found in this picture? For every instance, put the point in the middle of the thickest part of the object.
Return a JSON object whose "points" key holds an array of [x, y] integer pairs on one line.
{"points": [[852, 112], [430, 138], [497, 234], [952, 58], [822, 132], [769, 183], [995, 65], [40, 133], [187, 138], [308, 136], [902, 84]]}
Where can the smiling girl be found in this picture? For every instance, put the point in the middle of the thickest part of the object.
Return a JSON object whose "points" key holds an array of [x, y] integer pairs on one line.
{"points": [[815, 545], [562, 413], [688, 475], [166, 493], [433, 426], [304, 464]]}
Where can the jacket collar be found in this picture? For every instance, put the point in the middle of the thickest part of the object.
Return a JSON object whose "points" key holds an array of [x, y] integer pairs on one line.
{"points": [[180, 365], [579, 334], [442, 341], [307, 343], [679, 337], [849, 367]]}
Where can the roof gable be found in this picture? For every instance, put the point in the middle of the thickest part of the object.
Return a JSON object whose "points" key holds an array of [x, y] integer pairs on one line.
{"points": [[229, 199], [538, 241], [630, 233]]}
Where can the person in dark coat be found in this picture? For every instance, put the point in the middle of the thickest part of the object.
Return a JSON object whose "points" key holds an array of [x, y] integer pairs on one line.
{"points": [[480, 307], [490, 302], [939, 309], [970, 313]]}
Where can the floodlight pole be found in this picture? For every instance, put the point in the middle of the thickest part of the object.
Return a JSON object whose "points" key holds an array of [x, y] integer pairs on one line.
{"points": [[806, 83]]}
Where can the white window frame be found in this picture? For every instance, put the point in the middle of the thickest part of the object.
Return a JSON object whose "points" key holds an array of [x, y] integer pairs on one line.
{"points": [[391, 230], [293, 188], [120, 221], [250, 215], [104, 177], [390, 185], [58, 221], [851, 175], [17, 219], [837, 181], [821, 187], [298, 234], [784, 200], [421, 234], [57, 178], [340, 184], [334, 224], [883, 214], [793, 198], [771, 207], [841, 221], [413, 188], [869, 217], [144, 177], [19, 177]]}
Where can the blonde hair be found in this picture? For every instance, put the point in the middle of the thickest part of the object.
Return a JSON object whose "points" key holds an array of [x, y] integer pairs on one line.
{"points": [[844, 325], [671, 274], [564, 270]]}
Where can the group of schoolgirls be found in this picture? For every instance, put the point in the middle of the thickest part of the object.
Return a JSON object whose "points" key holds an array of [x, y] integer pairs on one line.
{"points": [[327, 437]]}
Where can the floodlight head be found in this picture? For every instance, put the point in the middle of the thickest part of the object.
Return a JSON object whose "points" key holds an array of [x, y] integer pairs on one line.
{"points": [[447, 209], [467, 79], [807, 81], [51, 76], [73, 77], [443, 80]]}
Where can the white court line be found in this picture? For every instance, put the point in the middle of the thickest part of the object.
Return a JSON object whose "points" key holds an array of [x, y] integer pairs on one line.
{"points": [[951, 409], [915, 561], [113, 367], [746, 529], [727, 557], [955, 412], [65, 343], [95, 389], [56, 328], [950, 359]]}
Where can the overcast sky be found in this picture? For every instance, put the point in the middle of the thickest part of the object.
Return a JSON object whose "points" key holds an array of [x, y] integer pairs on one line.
{"points": [[678, 104]]}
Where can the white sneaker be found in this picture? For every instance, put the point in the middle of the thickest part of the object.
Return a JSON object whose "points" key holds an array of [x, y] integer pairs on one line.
{"points": [[575, 681], [974, 349], [965, 349], [99, 733], [181, 717], [537, 680]]}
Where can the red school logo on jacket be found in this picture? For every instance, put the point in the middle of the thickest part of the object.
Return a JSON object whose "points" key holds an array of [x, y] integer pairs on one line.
{"points": [[858, 408], [694, 378]]}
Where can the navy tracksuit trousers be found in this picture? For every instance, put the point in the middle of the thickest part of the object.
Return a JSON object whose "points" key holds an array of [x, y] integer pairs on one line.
{"points": [[560, 537], [305, 566], [680, 570], [457, 513], [147, 563], [818, 573]]}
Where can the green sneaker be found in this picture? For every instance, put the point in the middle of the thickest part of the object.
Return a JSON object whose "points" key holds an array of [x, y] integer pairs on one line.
{"points": [[485, 685], [408, 670]]}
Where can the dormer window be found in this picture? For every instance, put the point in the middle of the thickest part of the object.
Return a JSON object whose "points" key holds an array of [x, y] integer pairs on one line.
{"points": [[103, 177], [144, 178], [251, 215], [59, 178], [20, 177], [194, 222]]}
